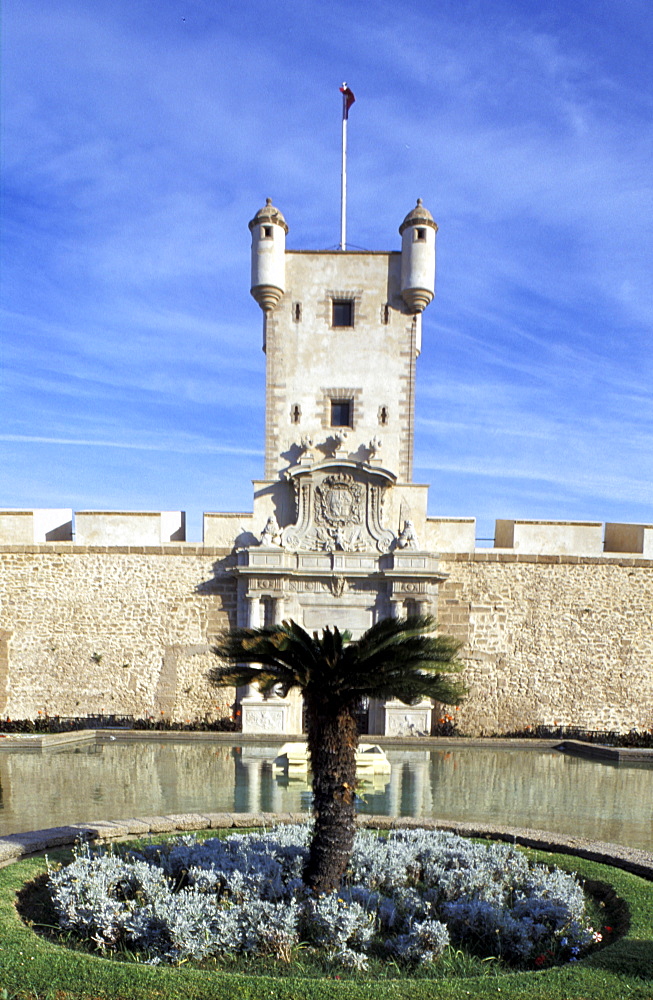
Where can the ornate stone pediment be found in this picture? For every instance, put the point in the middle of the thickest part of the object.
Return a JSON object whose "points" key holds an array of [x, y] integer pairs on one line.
{"points": [[339, 508]]}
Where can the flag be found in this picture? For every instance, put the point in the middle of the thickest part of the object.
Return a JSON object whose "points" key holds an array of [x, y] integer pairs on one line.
{"points": [[348, 100]]}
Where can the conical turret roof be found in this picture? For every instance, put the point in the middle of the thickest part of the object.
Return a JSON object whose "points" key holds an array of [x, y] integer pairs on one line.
{"points": [[418, 216], [268, 214]]}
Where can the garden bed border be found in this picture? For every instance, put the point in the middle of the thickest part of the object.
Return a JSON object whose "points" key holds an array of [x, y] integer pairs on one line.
{"points": [[16, 846]]}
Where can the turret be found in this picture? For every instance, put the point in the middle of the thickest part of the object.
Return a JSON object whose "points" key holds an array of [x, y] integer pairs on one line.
{"points": [[418, 258], [268, 229]]}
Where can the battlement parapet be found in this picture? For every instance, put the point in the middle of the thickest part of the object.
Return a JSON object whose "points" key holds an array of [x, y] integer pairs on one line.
{"points": [[228, 531], [582, 538], [95, 527], [573, 538], [450, 534], [636, 538], [31, 527]]}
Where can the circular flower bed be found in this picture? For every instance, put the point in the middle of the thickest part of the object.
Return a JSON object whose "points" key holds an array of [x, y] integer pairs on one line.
{"points": [[406, 898]]}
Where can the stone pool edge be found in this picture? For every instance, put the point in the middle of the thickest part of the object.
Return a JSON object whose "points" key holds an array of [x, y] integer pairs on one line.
{"points": [[15, 846], [45, 741]]}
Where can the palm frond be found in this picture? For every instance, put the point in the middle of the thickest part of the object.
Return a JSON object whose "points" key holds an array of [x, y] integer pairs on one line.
{"points": [[402, 658]]}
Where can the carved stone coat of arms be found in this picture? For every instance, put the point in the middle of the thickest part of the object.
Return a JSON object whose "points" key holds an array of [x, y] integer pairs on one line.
{"points": [[338, 511]]}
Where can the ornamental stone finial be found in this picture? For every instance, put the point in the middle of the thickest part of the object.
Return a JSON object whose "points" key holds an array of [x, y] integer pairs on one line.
{"points": [[374, 445], [306, 448], [340, 440]]}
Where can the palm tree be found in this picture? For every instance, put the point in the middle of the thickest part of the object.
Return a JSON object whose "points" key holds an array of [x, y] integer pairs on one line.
{"points": [[397, 658]]}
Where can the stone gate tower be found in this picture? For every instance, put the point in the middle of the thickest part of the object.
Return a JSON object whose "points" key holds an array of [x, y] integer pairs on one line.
{"points": [[338, 516]]}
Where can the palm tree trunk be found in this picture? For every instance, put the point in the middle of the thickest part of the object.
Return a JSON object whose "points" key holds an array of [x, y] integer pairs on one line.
{"points": [[332, 742]]}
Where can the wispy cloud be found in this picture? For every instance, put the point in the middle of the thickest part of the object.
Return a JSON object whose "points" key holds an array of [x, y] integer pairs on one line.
{"points": [[185, 447], [140, 138]]}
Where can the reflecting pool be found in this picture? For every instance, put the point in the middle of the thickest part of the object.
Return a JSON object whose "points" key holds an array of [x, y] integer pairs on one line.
{"points": [[544, 790]]}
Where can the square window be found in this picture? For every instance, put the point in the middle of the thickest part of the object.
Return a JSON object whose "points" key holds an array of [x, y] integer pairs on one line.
{"points": [[266, 232], [341, 413], [342, 313], [420, 234]]}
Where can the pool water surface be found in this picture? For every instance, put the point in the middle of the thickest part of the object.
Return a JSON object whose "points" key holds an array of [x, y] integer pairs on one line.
{"points": [[539, 789]]}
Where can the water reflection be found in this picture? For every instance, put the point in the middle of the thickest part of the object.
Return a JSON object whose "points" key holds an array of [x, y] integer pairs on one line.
{"points": [[542, 790]]}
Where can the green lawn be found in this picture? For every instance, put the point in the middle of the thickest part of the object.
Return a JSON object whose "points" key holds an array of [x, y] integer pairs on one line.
{"points": [[34, 967]]}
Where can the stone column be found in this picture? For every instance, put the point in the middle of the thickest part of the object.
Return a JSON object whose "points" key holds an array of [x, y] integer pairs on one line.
{"points": [[392, 705], [400, 719], [277, 618], [253, 612], [253, 621], [293, 702]]}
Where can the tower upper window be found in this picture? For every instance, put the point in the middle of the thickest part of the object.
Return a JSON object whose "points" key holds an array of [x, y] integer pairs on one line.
{"points": [[341, 412], [420, 234], [266, 232], [342, 312]]}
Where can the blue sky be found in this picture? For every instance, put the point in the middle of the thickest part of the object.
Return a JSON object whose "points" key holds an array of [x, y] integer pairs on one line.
{"points": [[140, 137]]}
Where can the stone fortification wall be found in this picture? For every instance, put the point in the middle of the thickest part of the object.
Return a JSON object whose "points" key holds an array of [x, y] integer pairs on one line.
{"points": [[560, 640], [127, 630], [87, 630]]}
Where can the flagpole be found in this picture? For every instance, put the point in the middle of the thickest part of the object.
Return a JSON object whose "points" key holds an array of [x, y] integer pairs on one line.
{"points": [[343, 174]]}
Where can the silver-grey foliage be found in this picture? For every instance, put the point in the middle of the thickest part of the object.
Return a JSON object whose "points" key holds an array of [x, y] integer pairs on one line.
{"points": [[405, 897]]}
